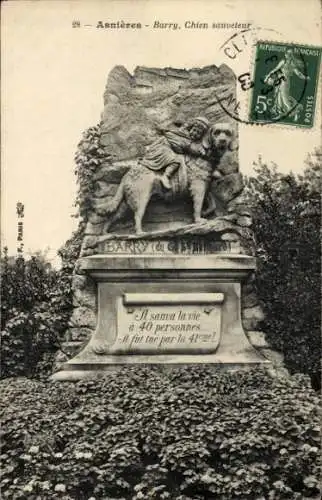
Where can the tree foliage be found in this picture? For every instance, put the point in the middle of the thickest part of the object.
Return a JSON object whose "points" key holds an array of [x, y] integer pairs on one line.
{"points": [[287, 213], [181, 434], [35, 308]]}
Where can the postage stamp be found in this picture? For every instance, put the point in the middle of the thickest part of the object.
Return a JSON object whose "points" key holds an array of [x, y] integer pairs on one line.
{"points": [[285, 84]]}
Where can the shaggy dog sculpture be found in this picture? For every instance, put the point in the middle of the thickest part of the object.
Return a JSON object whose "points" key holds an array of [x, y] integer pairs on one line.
{"points": [[193, 177]]}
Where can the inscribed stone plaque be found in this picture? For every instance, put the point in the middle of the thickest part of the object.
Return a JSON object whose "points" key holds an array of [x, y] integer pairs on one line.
{"points": [[163, 246], [163, 323]]}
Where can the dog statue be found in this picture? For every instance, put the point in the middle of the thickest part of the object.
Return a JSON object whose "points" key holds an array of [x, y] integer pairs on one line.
{"points": [[193, 177]]}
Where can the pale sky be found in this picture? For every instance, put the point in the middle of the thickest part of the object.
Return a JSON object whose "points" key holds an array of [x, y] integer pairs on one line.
{"points": [[53, 79]]}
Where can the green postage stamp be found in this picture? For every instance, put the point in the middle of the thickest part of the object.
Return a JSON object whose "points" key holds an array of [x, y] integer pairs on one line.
{"points": [[285, 84]]}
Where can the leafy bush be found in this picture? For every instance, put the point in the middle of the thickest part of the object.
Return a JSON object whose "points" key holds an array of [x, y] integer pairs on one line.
{"points": [[287, 214], [35, 309], [180, 434]]}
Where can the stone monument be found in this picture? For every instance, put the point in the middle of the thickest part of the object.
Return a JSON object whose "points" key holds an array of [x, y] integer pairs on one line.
{"points": [[166, 249]]}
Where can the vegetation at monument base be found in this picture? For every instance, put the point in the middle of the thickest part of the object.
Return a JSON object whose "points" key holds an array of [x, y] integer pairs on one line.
{"points": [[287, 216], [33, 314], [184, 434], [36, 303]]}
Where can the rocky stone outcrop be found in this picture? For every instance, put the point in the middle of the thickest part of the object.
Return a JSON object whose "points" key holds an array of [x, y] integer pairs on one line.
{"points": [[134, 106]]}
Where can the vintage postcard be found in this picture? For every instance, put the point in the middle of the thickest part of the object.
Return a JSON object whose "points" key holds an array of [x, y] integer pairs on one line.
{"points": [[160, 260]]}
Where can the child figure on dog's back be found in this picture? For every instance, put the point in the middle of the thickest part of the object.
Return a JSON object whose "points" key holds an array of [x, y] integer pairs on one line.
{"points": [[167, 153]]}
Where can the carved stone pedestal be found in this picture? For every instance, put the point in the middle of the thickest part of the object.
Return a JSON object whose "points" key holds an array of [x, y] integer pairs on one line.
{"points": [[166, 310]]}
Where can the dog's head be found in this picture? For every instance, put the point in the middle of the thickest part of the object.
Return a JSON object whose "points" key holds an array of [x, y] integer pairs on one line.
{"points": [[222, 137]]}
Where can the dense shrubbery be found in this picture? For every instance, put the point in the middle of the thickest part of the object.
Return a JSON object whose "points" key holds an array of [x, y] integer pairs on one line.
{"points": [[144, 433], [35, 308], [287, 215]]}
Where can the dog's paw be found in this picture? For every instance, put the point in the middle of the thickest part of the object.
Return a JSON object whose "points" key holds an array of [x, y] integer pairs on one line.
{"points": [[199, 220]]}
